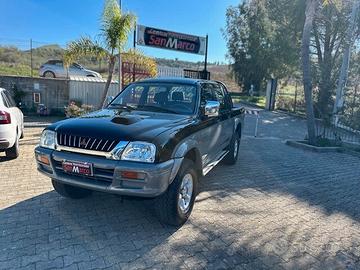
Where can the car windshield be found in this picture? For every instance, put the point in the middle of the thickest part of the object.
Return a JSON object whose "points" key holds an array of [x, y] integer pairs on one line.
{"points": [[75, 65], [158, 97]]}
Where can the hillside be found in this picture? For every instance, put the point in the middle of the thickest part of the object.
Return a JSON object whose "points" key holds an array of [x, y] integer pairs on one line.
{"points": [[17, 62]]}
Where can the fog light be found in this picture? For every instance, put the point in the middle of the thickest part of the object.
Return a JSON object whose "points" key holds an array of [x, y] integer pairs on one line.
{"points": [[43, 159], [132, 175]]}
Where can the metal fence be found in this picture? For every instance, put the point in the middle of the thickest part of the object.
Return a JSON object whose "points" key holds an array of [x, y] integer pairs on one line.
{"points": [[87, 90], [337, 133], [163, 71], [290, 97]]}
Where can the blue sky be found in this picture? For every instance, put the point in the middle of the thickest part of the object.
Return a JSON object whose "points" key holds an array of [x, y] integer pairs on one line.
{"points": [[59, 21]]}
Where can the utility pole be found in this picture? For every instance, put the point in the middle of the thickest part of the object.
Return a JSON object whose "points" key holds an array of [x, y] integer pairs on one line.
{"points": [[120, 4], [134, 48], [339, 102], [31, 59], [206, 55]]}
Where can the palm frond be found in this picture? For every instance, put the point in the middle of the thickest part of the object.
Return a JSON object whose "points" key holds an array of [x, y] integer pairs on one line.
{"points": [[116, 26], [83, 47], [111, 9]]}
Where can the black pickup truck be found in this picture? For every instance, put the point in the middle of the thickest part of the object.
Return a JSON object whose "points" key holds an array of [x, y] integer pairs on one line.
{"points": [[155, 139]]}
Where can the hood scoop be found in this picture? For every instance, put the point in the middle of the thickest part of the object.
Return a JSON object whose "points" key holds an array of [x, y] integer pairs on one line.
{"points": [[126, 120]]}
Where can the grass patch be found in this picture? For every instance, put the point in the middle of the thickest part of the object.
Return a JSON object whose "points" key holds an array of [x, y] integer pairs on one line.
{"points": [[17, 70], [256, 100]]}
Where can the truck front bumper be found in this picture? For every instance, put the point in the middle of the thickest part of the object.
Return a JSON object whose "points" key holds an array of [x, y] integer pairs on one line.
{"points": [[108, 174]]}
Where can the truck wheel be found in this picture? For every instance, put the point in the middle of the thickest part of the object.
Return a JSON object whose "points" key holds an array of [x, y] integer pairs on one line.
{"points": [[70, 191], [175, 205], [233, 154], [13, 152]]}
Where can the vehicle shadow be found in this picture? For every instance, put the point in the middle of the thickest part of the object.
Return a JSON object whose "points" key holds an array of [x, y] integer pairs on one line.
{"points": [[275, 208], [3, 158], [101, 231]]}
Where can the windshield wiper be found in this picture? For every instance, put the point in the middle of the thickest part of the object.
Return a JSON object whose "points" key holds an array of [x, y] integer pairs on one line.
{"points": [[157, 109], [122, 106]]}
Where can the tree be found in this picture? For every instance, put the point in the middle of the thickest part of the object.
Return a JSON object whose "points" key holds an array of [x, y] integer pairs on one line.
{"points": [[115, 28], [350, 33], [263, 39], [310, 10], [329, 30]]}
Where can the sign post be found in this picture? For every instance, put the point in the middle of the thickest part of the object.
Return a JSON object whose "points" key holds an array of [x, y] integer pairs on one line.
{"points": [[206, 53]]}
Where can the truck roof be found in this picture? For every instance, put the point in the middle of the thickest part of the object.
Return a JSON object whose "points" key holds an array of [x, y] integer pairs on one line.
{"points": [[174, 80]]}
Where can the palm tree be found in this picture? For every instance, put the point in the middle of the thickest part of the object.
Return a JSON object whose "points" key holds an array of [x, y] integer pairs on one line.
{"points": [[115, 29], [311, 6]]}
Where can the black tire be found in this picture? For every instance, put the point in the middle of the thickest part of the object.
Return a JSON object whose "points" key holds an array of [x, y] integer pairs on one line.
{"points": [[167, 206], [232, 157], [71, 192], [49, 74], [22, 134], [13, 152]]}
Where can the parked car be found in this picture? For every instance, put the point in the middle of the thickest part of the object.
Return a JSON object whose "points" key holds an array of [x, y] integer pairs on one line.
{"points": [[56, 69], [155, 139], [11, 125]]}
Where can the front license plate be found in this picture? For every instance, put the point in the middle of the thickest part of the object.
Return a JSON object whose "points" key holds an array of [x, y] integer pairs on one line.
{"points": [[81, 168]]}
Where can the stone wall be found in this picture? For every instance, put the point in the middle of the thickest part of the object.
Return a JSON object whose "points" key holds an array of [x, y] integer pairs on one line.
{"points": [[54, 93]]}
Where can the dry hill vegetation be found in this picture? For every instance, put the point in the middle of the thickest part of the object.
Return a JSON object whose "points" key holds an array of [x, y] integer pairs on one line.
{"points": [[17, 62]]}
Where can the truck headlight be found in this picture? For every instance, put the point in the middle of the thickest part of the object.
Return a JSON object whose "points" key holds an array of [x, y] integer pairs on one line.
{"points": [[47, 139], [139, 151]]}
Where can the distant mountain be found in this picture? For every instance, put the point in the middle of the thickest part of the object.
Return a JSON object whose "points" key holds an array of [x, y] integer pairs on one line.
{"points": [[17, 62]]}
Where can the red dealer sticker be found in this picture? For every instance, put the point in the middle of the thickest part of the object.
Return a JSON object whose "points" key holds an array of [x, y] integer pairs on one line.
{"points": [[81, 168]]}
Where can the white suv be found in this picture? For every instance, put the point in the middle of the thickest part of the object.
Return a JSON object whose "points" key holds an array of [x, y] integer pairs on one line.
{"points": [[11, 125]]}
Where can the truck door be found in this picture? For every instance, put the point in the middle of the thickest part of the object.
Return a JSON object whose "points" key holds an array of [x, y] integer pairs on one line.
{"points": [[210, 133], [225, 121]]}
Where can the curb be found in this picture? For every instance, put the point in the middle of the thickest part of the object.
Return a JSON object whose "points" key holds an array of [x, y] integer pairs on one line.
{"points": [[250, 104], [34, 125], [304, 146]]}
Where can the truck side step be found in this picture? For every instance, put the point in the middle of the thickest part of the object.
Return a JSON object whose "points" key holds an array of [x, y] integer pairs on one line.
{"points": [[211, 165]]}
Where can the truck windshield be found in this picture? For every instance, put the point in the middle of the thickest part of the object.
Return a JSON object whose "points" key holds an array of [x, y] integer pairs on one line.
{"points": [[159, 97]]}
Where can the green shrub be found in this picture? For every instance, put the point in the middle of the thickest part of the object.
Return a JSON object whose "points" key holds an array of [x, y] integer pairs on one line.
{"points": [[73, 110]]}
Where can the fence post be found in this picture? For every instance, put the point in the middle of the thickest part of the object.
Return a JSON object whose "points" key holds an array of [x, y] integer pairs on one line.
{"points": [[256, 125], [31, 58], [354, 103], [295, 101]]}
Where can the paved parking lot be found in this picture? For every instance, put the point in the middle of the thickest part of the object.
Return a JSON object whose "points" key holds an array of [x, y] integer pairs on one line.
{"points": [[278, 208]]}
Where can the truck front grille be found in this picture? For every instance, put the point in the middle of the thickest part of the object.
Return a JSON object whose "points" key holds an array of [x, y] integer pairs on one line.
{"points": [[88, 143]]}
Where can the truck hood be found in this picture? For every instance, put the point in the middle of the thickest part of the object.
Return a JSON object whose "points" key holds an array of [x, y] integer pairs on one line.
{"points": [[122, 125]]}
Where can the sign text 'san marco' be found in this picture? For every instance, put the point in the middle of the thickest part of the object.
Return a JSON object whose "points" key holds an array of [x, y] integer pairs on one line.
{"points": [[148, 36]]}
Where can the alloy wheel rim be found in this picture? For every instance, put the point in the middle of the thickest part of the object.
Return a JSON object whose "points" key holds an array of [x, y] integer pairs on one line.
{"points": [[185, 193]]}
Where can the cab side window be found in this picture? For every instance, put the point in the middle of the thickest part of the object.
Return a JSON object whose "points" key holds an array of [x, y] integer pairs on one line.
{"points": [[206, 92], [228, 100], [219, 96]]}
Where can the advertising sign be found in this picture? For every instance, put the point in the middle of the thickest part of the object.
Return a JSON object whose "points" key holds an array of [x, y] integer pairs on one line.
{"points": [[163, 39]]}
